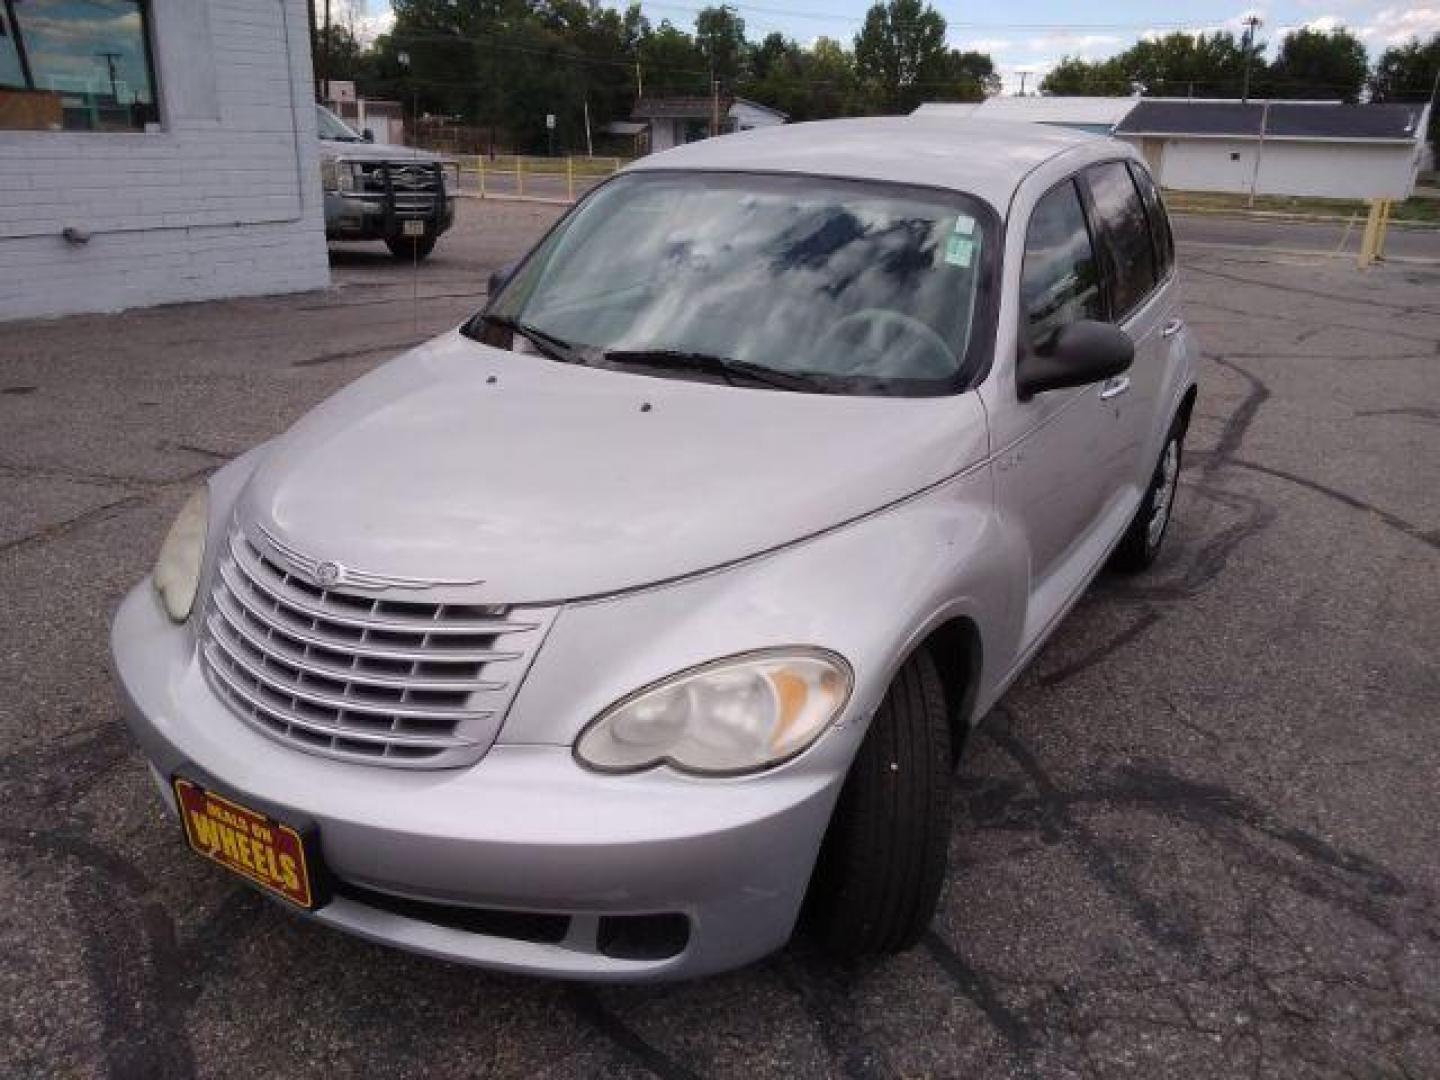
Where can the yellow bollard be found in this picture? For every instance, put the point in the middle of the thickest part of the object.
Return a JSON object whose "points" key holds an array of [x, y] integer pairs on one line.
{"points": [[570, 177], [519, 175], [1386, 206], [1369, 242], [480, 167]]}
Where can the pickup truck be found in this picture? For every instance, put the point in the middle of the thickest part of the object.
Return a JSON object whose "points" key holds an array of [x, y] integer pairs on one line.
{"points": [[399, 194]]}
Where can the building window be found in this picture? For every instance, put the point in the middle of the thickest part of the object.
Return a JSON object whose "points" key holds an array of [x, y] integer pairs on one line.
{"points": [[76, 65]]}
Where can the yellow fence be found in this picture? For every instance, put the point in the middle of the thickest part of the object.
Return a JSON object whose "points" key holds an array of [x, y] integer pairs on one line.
{"points": [[538, 179]]}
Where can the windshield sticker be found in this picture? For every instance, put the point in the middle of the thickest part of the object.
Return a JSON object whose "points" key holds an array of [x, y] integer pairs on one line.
{"points": [[959, 250], [964, 225]]}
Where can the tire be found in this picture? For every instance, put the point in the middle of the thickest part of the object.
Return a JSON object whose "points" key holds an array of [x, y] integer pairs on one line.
{"points": [[410, 248], [1140, 546], [882, 865]]}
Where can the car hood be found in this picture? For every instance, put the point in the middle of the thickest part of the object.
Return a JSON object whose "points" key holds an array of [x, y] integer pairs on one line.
{"points": [[363, 151], [545, 481]]}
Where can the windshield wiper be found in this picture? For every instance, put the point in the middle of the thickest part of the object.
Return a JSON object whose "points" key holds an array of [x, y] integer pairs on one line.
{"points": [[556, 348], [730, 370]]}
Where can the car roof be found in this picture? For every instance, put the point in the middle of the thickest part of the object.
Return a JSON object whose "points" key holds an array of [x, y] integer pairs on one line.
{"points": [[984, 158]]}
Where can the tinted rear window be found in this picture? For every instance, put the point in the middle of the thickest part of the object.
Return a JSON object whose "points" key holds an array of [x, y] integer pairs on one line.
{"points": [[1159, 219], [1126, 231]]}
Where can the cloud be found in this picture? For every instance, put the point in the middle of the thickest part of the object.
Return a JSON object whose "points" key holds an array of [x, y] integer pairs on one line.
{"points": [[1087, 45], [984, 45], [1396, 26], [369, 26]]}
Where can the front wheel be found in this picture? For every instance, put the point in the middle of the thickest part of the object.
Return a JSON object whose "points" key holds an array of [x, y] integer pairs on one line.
{"points": [[882, 865], [410, 248], [1140, 546]]}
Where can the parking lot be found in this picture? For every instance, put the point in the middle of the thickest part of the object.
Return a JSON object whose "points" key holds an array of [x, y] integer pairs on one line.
{"points": [[1199, 838]]}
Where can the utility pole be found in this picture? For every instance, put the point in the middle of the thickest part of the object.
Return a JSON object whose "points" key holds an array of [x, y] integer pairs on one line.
{"points": [[1252, 23], [110, 58], [325, 52]]}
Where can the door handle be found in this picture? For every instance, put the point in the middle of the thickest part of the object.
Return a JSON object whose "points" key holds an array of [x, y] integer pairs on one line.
{"points": [[1113, 388], [1171, 328]]}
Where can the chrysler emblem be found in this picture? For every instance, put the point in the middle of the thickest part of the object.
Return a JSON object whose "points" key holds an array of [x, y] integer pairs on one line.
{"points": [[328, 574]]}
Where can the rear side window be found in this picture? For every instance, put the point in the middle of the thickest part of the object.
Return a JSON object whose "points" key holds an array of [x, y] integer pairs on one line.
{"points": [[1060, 279], [1159, 220], [1126, 231]]}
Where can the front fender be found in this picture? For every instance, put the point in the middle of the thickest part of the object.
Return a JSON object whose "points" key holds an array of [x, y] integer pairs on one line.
{"points": [[871, 591]]}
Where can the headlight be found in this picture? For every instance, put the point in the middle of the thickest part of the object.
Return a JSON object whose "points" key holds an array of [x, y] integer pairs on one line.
{"points": [[730, 716], [337, 175], [177, 570]]}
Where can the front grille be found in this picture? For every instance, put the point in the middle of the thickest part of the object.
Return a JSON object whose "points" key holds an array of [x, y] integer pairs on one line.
{"points": [[391, 682], [404, 178]]}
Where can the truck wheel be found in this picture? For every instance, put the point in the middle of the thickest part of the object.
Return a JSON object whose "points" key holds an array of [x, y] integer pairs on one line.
{"points": [[1140, 546], [882, 864], [410, 248]]}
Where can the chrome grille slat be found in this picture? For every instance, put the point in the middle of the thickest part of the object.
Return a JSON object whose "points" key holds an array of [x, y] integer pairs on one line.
{"points": [[381, 739], [249, 559], [356, 675], [351, 672], [367, 650], [346, 702]]}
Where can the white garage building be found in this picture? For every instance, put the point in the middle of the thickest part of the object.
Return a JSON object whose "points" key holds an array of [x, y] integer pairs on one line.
{"points": [[1280, 147], [155, 151]]}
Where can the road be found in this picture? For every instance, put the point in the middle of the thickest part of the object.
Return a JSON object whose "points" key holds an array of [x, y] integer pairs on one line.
{"points": [[1197, 839], [1301, 236]]}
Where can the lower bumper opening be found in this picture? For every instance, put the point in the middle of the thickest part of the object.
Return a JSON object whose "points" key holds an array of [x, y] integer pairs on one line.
{"points": [[620, 937], [642, 937], [538, 927]]}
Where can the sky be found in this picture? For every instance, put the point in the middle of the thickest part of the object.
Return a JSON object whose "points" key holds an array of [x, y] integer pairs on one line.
{"points": [[1025, 38]]}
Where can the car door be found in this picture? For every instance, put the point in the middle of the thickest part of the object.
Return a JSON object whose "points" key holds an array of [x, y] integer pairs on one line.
{"points": [[1051, 449], [1166, 378], [1142, 306]]}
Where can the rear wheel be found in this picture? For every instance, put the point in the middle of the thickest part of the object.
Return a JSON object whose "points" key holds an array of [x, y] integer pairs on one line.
{"points": [[1140, 546], [410, 248], [882, 865]]}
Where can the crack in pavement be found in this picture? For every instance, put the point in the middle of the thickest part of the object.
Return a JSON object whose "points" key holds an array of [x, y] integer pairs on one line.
{"points": [[1393, 521], [586, 1004]]}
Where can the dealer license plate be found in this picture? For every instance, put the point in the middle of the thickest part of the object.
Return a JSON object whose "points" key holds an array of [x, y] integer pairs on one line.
{"points": [[412, 228], [254, 845]]}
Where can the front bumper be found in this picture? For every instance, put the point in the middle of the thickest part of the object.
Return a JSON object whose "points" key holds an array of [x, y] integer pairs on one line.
{"points": [[373, 216], [525, 830]]}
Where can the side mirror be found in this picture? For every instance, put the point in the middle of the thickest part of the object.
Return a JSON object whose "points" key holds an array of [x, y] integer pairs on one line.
{"points": [[1082, 352], [499, 278], [368, 135]]}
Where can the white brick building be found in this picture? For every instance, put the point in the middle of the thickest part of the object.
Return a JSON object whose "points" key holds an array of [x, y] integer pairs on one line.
{"points": [[172, 140]]}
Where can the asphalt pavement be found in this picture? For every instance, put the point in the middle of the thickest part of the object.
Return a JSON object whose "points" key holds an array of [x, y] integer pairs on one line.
{"points": [[1277, 235], [1197, 839]]}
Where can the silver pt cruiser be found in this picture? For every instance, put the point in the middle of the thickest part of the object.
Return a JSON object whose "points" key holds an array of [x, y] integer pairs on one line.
{"points": [[642, 617]]}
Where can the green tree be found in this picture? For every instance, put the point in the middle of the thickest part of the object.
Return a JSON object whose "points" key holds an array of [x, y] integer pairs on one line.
{"points": [[1315, 64], [1408, 73], [806, 84], [672, 63], [720, 34], [1074, 77], [962, 76], [900, 47], [1175, 65]]}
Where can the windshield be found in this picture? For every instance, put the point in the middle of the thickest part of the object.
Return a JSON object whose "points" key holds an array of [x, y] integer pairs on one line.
{"points": [[329, 126], [872, 288]]}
